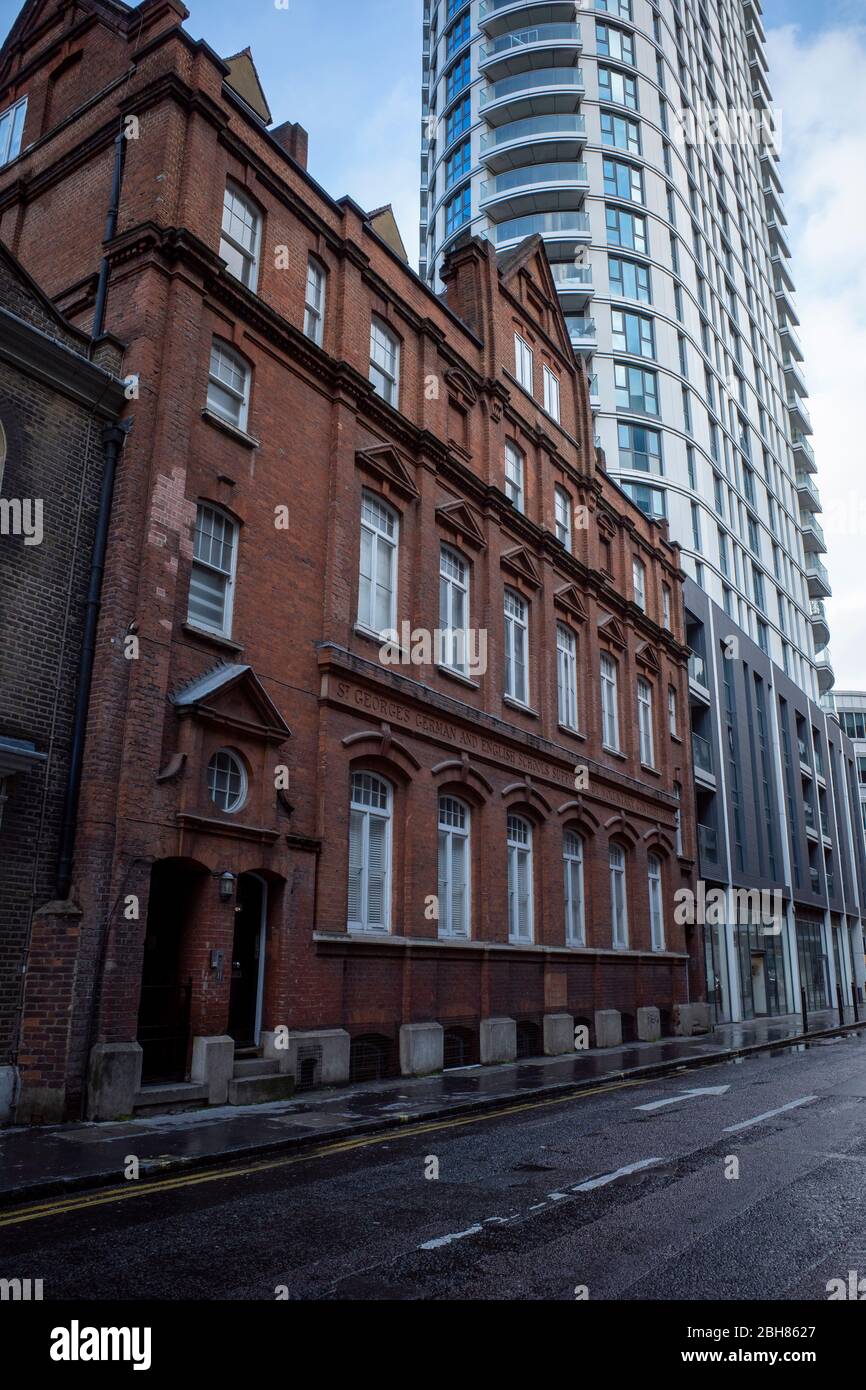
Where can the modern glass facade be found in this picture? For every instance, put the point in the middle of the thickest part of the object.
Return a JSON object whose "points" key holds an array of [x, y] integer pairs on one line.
{"points": [[667, 234]]}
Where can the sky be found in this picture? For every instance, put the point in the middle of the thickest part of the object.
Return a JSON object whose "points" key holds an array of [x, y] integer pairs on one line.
{"points": [[350, 72]]}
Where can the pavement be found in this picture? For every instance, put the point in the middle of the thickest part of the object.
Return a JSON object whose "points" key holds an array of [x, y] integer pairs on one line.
{"points": [[46, 1160], [742, 1181]]}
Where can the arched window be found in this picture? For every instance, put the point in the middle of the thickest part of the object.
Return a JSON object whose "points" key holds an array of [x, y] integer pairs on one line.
{"points": [[212, 582], [566, 676], [645, 722], [516, 647], [227, 781], [453, 610], [572, 858], [370, 854], [454, 892], [657, 923], [241, 236], [618, 900], [609, 703], [228, 389], [519, 879], [377, 588]]}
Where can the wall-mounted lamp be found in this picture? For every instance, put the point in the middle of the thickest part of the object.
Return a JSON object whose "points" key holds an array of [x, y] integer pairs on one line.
{"points": [[227, 886]]}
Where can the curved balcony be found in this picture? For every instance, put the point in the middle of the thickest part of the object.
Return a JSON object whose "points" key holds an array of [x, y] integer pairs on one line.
{"points": [[534, 188], [794, 374], [813, 534], [497, 16], [785, 301], [522, 50], [817, 578], [574, 283], [804, 454], [820, 625], [800, 417], [824, 668], [807, 493], [532, 94], [582, 332], [566, 231], [535, 138], [791, 341]]}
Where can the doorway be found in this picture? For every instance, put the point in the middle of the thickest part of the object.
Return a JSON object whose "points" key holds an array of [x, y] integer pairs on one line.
{"points": [[248, 961], [166, 990], [759, 983]]}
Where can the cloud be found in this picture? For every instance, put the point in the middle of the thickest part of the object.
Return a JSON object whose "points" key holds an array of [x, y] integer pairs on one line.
{"points": [[818, 86]]}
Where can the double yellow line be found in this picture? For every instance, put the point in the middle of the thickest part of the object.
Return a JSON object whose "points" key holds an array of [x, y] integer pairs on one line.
{"points": [[19, 1216]]}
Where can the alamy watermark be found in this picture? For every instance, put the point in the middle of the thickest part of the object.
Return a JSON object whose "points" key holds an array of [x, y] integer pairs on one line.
{"points": [[462, 650], [742, 907], [22, 516]]}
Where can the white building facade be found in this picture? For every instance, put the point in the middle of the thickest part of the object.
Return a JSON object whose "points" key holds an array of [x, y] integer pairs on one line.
{"points": [[589, 124]]}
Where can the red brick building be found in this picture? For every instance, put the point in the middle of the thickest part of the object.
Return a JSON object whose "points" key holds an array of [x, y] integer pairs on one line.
{"points": [[452, 843]]}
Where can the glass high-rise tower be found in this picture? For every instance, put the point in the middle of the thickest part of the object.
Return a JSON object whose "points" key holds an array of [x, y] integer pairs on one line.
{"points": [[590, 124]]}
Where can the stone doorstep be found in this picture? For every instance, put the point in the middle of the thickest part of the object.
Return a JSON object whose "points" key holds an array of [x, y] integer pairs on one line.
{"points": [[253, 1066], [182, 1095], [256, 1090]]}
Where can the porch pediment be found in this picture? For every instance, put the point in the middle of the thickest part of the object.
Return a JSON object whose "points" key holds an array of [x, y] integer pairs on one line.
{"points": [[233, 697]]}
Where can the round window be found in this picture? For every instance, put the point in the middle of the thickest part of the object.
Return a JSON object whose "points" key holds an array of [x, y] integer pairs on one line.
{"points": [[227, 781]]}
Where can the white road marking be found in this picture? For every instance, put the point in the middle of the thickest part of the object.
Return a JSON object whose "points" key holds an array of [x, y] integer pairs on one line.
{"points": [[769, 1114], [685, 1095], [461, 1235], [593, 1183]]}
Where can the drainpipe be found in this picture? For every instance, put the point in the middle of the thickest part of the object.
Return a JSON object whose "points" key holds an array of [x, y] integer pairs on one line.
{"points": [[113, 437], [110, 233]]}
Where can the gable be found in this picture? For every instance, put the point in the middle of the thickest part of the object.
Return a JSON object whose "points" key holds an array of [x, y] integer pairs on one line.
{"points": [[245, 82], [569, 601], [21, 296], [233, 697], [646, 655], [520, 563], [527, 275], [42, 22]]}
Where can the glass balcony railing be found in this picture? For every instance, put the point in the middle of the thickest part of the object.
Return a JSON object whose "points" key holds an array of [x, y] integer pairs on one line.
{"points": [[702, 754], [809, 815], [805, 484], [489, 7], [593, 387], [562, 224], [801, 442], [525, 38], [818, 610], [708, 842], [531, 81], [698, 670], [571, 277], [534, 127], [580, 327], [825, 824], [530, 174], [815, 567]]}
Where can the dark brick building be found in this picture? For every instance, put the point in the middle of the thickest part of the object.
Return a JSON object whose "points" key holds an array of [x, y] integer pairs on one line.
{"points": [[391, 776], [57, 398]]}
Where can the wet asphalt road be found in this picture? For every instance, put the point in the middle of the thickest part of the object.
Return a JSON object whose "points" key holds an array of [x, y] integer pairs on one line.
{"points": [[519, 1208]]}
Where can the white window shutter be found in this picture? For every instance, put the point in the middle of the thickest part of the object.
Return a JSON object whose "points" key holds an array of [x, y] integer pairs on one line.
{"points": [[377, 872]]}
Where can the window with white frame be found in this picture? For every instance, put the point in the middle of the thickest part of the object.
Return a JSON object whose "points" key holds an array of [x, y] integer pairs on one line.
{"points": [[678, 793], [638, 581], [551, 393], [666, 607], [645, 722], [384, 362], [370, 854], [314, 306], [212, 581], [514, 475], [657, 925], [454, 899], [453, 610], [618, 899], [572, 860], [609, 703], [11, 130], [562, 516], [523, 363], [519, 879], [516, 647], [377, 587], [672, 710], [241, 236], [566, 675], [228, 387], [227, 781]]}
